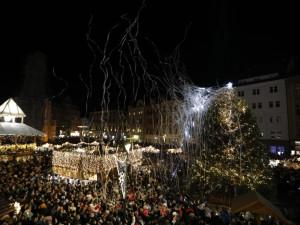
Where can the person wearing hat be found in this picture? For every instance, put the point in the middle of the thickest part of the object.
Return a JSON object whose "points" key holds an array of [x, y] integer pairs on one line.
{"points": [[164, 210]]}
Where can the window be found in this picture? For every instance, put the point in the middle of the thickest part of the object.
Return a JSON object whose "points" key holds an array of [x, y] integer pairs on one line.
{"points": [[271, 119], [277, 103], [253, 105], [273, 89], [279, 133], [259, 119], [280, 150], [240, 93], [273, 149], [298, 110], [270, 104], [278, 119], [297, 91], [259, 105], [255, 91], [273, 134]]}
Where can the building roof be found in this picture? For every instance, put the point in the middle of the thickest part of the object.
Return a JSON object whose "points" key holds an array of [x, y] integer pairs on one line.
{"points": [[7, 128], [10, 108], [253, 202], [5, 207]]}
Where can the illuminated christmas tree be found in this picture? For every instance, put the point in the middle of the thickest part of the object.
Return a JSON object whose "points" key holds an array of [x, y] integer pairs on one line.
{"points": [[232, 157]]}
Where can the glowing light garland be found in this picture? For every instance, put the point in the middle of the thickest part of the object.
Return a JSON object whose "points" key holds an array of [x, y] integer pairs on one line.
{"points": [[90, 163], [217, 139]]}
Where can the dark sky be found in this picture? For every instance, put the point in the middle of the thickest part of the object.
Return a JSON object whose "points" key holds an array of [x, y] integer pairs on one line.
{"points": [[226, 40]]}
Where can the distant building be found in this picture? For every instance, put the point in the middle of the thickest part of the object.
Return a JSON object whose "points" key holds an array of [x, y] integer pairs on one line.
{"points": [[274, 102], [171, 125], [49, 123], [136, 120], [84, 127], [110, 124], [67, 117], [152, 120]]}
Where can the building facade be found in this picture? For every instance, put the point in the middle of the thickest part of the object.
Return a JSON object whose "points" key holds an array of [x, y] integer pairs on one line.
{"points": [[109, 124], [136, 120], [273, 101], [67, 118]]}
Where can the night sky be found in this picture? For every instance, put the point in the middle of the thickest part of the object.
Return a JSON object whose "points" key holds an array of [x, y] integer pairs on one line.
{"points": [[224, 40]]}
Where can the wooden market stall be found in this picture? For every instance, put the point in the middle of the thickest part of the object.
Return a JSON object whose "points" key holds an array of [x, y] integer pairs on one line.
{"points": [[14, 133]]}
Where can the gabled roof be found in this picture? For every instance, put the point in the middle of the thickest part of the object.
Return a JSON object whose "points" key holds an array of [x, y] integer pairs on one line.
{"points": [[10, 108], [255, 203], [7, 128], [5, 207]]}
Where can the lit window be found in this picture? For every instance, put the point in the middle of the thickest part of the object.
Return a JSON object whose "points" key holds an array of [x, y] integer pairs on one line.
{"points": [[279, 133], [273, 149], [280, 150]]}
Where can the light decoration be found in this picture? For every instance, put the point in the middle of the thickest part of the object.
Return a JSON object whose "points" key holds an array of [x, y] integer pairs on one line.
{"points": [[8, 118], [72, 159], [229, 85], [175, 151], [150, 149], [231, 153], [17, 207], [18, 147], [221, 141]]}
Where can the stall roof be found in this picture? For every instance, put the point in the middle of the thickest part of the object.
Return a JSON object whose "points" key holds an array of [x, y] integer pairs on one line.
{"points": [[7, 128], [5, 207], [10, 107], [253, 202]]}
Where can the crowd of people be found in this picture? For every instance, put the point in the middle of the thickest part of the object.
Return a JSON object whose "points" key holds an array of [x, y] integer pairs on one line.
{"points": [[46, 198]]}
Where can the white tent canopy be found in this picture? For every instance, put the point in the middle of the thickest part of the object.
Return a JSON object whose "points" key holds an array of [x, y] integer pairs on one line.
{"points": [[18, 129], [10, 108]]}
